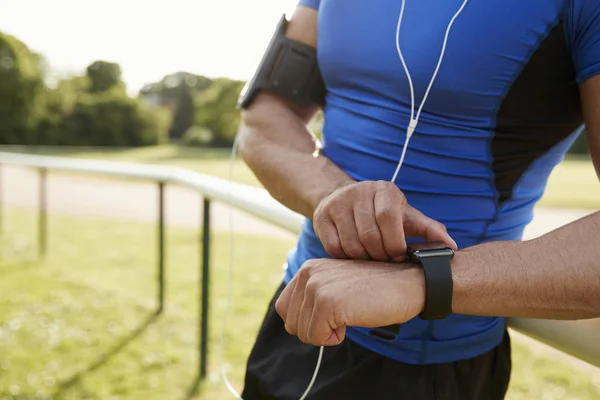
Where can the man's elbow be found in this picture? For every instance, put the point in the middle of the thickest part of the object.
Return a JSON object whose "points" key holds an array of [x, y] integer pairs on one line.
{"points": [[272, 120], [258, 121], [249, 132]]}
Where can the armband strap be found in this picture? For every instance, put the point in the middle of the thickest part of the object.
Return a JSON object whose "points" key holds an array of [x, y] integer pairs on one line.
{"points": [[289, 69]]}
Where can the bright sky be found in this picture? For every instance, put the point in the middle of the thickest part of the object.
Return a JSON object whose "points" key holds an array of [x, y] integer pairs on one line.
{"points": [[150, 38]]}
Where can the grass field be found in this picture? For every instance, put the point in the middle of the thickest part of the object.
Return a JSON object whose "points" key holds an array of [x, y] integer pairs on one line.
{"points": [[573, 184], [80, 325]]}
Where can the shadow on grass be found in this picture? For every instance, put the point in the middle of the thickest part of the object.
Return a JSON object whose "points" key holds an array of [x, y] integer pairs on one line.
{"points": [[104, 358], [192, 392]]}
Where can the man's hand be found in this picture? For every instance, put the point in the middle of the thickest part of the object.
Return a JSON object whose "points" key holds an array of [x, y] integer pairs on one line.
{"points": [[371, 220], [327, 295]]}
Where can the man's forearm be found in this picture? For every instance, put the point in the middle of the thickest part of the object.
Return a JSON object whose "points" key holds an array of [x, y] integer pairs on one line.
{"points": [[556, 276], [279, 149]]}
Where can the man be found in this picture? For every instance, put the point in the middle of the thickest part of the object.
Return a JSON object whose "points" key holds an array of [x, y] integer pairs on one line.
{"points": [[516, 82]]}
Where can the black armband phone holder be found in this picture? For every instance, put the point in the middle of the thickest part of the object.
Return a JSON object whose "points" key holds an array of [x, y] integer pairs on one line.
{"points": [[289, 69]]}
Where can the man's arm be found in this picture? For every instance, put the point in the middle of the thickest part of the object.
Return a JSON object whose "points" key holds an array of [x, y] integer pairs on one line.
{"points": [[555, 276], [358, 220], [279, 148]]}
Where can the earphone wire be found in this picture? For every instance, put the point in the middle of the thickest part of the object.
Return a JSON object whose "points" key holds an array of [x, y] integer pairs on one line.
{"points": [[414, 120], [230, 289], [230, 271]]}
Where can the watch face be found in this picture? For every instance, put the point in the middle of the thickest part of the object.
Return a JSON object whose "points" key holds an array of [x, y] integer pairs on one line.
{"points": [[416, 251]]}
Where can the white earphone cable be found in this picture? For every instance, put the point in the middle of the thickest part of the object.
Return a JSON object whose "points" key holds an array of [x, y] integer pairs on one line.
{"points": [[230, 272], [230, 291], [414, 120]]}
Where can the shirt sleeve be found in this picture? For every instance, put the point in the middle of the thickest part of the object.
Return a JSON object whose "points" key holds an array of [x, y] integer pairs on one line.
{"points": [[310, 3], [584, 37]]}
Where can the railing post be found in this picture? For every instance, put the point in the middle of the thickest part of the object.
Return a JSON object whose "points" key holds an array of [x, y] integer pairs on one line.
{"points": [[161, 247], [42, 213], [1, 222], [204, 289]]}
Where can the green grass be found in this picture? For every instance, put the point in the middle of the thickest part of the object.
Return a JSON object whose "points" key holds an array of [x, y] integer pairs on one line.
{"points": [[79, 325], [573, 184], [69, 326]]}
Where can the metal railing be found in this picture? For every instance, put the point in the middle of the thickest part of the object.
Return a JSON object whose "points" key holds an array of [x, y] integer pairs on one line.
{"points": [[577, 338]]}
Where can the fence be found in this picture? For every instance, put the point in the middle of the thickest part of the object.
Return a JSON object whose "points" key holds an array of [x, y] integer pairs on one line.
{"points": [[577, 338]]}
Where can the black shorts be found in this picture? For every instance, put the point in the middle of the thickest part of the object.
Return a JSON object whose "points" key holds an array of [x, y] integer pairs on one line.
{"points": [[280, 367]]}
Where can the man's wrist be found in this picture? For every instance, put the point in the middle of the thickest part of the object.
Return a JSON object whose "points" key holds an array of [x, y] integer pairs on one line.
{"points": [[413, 275], [462, 265], [476, 274]]}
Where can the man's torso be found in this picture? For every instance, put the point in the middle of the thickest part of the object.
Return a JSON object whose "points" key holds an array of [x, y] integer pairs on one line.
{"points": [[503, 110]]}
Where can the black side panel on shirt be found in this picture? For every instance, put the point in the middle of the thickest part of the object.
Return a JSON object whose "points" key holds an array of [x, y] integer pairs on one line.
{"points": [[541, 108]]}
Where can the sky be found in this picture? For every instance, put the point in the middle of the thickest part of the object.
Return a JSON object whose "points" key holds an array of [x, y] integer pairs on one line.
{"points": [[149, 39]]}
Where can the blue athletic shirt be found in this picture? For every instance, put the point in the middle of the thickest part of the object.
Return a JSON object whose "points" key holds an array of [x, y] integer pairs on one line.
{"points": [[501, 114]]}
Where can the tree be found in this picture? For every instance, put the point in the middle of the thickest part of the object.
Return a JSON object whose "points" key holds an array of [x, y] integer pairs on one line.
{"points": [[217, 110], [104, 75], [169, 86], [177, 91], [111, 118], [59, 103], [21, 90], [185, 111]]}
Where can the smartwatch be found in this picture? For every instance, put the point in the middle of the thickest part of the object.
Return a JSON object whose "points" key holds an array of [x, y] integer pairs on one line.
{"points": [[435, 259]]}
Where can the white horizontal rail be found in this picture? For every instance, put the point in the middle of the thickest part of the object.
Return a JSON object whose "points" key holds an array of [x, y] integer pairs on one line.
{"points": [[250, 199], [578, 338]]}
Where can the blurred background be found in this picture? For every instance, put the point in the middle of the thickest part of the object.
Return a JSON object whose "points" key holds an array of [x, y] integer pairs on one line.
{"points": [[156, 82]]}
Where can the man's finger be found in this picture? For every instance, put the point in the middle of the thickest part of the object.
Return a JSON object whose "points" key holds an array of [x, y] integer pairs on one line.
{"points": [[388, 214], [328, 235], [419, 225], [346, 229], [305, 314], [296, 300], [368, 230], [283, 302]]}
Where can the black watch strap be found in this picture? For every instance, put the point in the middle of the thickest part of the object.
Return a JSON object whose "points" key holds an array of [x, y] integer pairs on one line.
{"points": [[386, 332], [438, 287], [438, 293]]}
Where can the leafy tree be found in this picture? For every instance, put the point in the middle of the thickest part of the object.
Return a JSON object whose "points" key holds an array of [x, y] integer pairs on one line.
{"points": [[217, 110], [178, 90], [169, 86], [59, 103], [21, 89], [104, 75], [111, 118], [185, 111]]}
